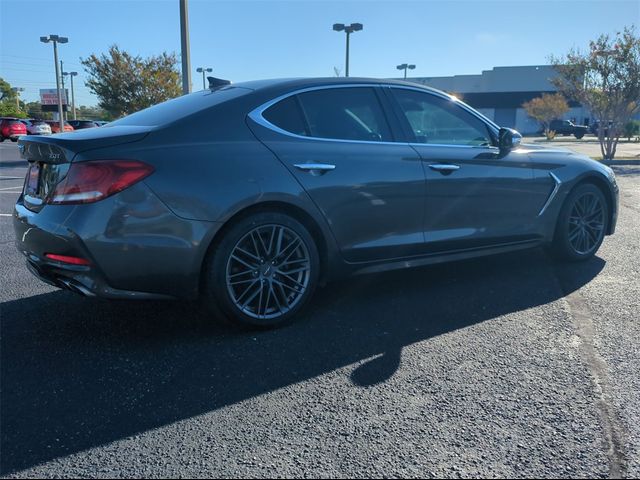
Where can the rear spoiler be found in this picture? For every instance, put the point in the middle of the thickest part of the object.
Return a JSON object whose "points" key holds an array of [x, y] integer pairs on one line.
{"points": [[215, 83]]}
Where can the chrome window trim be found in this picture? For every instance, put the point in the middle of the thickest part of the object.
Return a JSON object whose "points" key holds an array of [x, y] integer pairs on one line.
{"points": [[553, 193], [257, 115]]}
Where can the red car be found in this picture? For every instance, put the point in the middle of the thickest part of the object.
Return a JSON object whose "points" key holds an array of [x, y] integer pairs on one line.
{"points": [[55, 126], [11, 128]]}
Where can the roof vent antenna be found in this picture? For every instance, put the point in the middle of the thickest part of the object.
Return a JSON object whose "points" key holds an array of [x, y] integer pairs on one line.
{"points": [[217, 82]]}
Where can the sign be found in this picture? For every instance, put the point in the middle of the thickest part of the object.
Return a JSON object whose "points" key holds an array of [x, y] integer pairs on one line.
{"points": [[49, 96]]}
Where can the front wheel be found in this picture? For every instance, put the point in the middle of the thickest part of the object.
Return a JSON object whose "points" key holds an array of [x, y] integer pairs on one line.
{"points": [[263, 271], [579, 135], [581, 225]]}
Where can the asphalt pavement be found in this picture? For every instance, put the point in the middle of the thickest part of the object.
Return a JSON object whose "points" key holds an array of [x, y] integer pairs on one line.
{"points": [[508, 366]]}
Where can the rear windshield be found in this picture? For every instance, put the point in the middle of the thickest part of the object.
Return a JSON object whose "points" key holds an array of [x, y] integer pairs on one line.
{"points": [[15, 122], [176, 108], [38, 122]]}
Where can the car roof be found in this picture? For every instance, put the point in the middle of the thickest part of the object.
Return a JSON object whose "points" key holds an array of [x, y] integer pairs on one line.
{"points": [[299, 83]]}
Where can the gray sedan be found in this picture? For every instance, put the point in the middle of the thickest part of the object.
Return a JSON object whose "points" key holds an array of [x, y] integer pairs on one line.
{"points": [[248, 196]]}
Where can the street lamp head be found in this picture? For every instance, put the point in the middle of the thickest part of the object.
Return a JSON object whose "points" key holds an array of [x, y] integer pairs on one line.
{"points": [[411, 67], [73, 74], [338, 27], [209, 69], [54, 38], [199, 69], [356, 27], [402, 67]]}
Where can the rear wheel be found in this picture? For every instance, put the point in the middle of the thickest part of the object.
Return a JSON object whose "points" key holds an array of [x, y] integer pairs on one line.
{"points": [[263, 271], [578, 135], [581, 224]]}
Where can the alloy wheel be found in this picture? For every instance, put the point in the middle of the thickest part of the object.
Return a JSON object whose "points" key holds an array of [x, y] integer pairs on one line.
{"points": [[268, 271], [586, 223]]}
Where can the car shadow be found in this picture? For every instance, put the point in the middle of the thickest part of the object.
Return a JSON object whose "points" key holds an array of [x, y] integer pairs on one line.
{"points": [[78, 373]]}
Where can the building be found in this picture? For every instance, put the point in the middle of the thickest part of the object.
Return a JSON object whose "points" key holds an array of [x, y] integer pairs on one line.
{"points": [[499, 94]]}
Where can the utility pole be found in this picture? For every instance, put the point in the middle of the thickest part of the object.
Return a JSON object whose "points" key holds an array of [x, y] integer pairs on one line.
{"points": [[73, 96], [57, 39], [64, 92], [184, 41], [17, 90]]}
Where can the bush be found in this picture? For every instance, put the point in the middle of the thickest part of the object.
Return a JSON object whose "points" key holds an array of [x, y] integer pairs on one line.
{"points": [[8, 109], [631, 129]]}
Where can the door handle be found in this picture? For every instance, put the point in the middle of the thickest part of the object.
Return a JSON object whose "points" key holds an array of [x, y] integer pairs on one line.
{"points": [[315, 168], [444, 168]]}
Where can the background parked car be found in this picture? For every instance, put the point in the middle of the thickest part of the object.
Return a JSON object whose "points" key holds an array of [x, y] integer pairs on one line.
{"points": [[55, 126], [101, 123], [567, 127], [82, 124], [36, 127], [11, 128]]}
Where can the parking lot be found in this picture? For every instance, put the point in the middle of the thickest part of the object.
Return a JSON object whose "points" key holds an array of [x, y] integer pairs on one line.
{"points": [[509, 366]]}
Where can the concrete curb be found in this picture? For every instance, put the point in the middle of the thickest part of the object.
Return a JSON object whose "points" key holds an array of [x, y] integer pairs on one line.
{"points": [[613, 163]]}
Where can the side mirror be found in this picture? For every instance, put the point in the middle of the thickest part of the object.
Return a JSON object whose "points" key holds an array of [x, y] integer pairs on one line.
{"points": [[508, 138]]}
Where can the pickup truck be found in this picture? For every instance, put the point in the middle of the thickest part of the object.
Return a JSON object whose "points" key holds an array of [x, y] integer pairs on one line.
{"points": [[566, 127]]}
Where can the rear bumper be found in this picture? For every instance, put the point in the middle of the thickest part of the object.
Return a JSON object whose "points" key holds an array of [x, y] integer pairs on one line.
{"points": [[34, 241], [136, 247]]}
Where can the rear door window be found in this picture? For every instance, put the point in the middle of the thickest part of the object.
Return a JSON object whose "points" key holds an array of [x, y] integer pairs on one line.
{"points": [[351, 113]]}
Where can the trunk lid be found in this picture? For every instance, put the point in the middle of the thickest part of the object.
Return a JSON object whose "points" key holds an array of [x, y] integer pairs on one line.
{"points": [[50, 157]]}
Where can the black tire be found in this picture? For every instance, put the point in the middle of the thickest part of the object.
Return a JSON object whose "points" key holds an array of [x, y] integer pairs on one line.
{"points": [[578, 135], [1, 139], [581, 225], [281, 292], [14, 140]]}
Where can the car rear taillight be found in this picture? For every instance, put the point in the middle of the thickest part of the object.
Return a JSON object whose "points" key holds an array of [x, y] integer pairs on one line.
{"points": [[89, 182]]}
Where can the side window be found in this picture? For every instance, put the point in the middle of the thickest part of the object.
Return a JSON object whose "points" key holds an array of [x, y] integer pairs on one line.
{"points": [[352, 113], [286, 115], [436, 120]]}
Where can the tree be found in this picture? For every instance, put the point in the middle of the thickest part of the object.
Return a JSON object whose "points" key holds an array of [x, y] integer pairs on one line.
{"points": [[8, 107], [125, 83], [606, 80], [6, 93], [546, 108]]}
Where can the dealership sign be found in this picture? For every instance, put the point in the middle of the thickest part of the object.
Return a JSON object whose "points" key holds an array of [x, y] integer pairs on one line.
{"points": [[49, 96]]}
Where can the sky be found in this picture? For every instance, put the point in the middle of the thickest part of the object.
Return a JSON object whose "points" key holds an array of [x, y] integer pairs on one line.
{"points": [[246, 40]]}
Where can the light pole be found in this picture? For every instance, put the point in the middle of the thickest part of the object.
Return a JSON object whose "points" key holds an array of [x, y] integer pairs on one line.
{"points": [[203, 70], [184, 43], [17, 90], [73, 96], [404, 67], [348, 29], [57, 39]]}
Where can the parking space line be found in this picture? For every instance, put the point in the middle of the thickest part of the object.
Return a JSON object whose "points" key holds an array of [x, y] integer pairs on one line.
{"points": [[6, 214]]}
